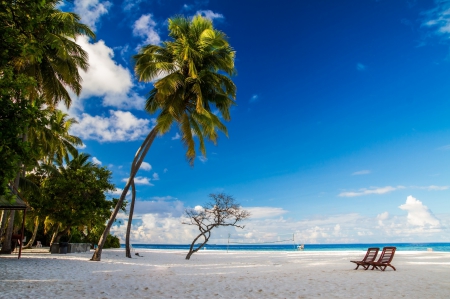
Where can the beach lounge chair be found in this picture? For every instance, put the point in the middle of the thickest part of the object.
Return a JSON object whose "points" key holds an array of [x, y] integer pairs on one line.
{"points": [[370, 256], [385, 259]]}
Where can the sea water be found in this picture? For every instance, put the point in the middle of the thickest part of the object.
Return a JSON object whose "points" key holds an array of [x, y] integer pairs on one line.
{"points": [[308, 247]]}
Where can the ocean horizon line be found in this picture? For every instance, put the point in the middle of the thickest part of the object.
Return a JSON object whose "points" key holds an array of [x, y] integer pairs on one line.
{"points": [[417, 246]]}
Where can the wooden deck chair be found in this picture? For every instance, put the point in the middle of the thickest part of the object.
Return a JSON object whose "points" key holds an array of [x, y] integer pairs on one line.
{"points": [[370, 256], [385, 259]]}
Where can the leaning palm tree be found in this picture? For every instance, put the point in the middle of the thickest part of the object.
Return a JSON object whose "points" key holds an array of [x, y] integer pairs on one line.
{"points": [[196, 64]]}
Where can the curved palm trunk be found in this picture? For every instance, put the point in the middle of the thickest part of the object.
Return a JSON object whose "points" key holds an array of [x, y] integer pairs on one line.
{"points": [[130, 219], [55, 233], [6, 246], [138, 159], [3, 225], [33, 237]]}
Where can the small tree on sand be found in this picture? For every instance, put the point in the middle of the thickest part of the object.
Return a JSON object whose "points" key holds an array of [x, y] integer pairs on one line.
{"points": [[222, 210]]}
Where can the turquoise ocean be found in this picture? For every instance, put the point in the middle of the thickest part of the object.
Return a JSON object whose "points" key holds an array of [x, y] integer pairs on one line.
{"points": [[443, 247]]}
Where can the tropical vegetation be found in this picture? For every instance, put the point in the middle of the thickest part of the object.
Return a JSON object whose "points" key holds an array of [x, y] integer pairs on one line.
{"points": [[40, 62]]}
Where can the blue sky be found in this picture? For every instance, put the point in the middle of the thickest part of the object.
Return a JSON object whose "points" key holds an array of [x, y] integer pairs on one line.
{"points": [[341, 132]]}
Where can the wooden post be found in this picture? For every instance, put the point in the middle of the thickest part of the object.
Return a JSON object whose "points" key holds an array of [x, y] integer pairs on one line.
{"points": [[23, 228]]}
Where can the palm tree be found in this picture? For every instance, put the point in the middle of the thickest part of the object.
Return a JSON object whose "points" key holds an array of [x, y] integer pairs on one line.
{"points": [[54, 143], [55, 65], [49, 54], [53, 139], [197, 64]]}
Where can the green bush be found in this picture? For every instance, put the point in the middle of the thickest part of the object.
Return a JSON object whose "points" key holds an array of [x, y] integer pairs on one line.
{"points": [[112, 242]]}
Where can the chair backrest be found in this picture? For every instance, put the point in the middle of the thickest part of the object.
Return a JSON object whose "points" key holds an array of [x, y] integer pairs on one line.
{"points": [[371, 254], [387, 255]]}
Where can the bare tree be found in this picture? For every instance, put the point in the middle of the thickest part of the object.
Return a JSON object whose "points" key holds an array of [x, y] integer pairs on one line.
{"points": [[222, 210]]}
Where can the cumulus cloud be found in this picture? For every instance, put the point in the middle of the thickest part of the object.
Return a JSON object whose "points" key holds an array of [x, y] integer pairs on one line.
{"points": [[381, 217], [361, 172], [146, 166], [209, 14], [418, 214], [372, 190], [117, 191], [140, 180], [96, 161], [145, 27], [90, 11], [202, 159], [155, 177], [159, 220], [176, 137], [119, 126], [106, 79]]}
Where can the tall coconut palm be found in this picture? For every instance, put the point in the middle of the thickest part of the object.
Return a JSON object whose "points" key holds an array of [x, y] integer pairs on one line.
{"points": [[196, 64]]}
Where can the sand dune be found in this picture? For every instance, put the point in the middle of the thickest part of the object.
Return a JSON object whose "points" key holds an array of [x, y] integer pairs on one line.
{"points": [[217, 274]]}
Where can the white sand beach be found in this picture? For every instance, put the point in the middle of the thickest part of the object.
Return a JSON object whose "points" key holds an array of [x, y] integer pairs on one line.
{"points": [[218, 274]]}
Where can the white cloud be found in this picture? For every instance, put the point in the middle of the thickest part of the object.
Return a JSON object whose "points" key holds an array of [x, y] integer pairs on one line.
{"points": [[361, 172], [119, 126], [438, 18], [155, 177], [145, 27], [140, 180], [96, 161], [418, 214], [165, 170], [146, 166], [265, 212], [130, 4], [177, 136], [360, 67], [90, 11], [431, 188], [159, 220], [209, 14], [117, 191], [381, 217], [202, 159], [254, 98], [372, 190], [159, 198], [107, 79]]}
